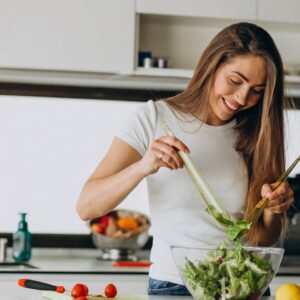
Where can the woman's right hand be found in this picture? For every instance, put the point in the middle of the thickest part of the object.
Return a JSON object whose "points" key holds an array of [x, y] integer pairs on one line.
{"points": [[163, 152]]}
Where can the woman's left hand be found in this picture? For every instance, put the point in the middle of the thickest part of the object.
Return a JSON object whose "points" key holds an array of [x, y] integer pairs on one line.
{"points": [[280, 199]]}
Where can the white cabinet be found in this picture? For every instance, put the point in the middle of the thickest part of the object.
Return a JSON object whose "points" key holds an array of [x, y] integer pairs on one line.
{"points": [[232, 9], [68, 35], [279, 11]]}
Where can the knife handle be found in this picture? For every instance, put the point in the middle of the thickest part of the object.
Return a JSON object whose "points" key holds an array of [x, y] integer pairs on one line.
{"points": [[38, 285], [141, 264]]}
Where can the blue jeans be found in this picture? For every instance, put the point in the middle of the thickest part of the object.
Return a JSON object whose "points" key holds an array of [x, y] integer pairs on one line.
{"points": [[159, 287]]}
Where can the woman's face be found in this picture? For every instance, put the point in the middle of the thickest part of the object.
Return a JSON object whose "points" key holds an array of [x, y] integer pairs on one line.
{"points": [[238, 85]]}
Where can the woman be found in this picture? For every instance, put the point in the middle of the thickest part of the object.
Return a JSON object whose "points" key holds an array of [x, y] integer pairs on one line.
{"points": [[230, 120]]}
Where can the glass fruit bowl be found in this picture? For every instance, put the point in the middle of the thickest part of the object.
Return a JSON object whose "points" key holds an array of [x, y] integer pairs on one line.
{"points": [[236, 272]]}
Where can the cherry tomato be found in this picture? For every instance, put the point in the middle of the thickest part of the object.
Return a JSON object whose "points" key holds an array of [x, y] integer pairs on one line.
{"points": [[81, 298], [79, 290], [110, 290]]}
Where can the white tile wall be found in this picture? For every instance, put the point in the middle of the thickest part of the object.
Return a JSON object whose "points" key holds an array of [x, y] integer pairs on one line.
{"points": [[48, 148]]}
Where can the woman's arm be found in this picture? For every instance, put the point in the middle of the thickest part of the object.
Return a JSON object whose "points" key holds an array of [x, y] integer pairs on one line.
{"points": [[114, 178], [120, 172]]}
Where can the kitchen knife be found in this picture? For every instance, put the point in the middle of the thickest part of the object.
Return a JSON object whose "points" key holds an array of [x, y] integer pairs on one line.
{"points": [[38, 285]]}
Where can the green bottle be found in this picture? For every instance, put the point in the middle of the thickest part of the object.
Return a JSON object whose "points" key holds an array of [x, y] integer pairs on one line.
{"points": [[22, 240]]}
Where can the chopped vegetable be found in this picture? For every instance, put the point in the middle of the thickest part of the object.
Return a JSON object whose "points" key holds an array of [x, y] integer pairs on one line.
{"points": [[227, 273]]}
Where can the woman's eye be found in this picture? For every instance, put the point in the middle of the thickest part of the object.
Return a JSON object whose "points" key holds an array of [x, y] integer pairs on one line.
{"points": [[235, 82], [259, 92]]}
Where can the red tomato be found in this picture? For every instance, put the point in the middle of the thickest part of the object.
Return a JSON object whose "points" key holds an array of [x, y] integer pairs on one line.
{"points": [[110, 290], [81, 298], [79, 290]]}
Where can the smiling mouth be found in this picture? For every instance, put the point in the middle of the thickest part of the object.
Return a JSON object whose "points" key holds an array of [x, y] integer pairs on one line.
{"points": [[230, 105]]}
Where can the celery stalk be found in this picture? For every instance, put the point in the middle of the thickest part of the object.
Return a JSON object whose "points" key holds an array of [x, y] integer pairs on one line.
{"points": [[214, 206]]}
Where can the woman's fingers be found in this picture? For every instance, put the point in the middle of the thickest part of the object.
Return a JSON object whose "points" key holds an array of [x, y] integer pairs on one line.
{"points": [[283, 191], [169, 147], [266, 190], [282, 207], [280, 199]]}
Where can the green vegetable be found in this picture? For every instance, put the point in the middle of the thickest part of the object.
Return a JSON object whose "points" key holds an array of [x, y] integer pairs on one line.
{"points": [[227, 273]]}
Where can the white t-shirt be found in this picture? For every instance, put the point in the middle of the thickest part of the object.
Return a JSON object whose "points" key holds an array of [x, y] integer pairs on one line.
{"points": [[177, 210]]}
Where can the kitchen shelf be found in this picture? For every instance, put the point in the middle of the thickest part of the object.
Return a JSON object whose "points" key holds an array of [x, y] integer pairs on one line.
{"points": [[164, 72]]}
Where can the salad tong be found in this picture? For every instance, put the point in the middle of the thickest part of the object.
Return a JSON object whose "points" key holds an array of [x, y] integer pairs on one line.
{"points": [[263, 203]]}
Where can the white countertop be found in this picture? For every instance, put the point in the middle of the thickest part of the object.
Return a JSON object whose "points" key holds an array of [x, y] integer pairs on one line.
{"points": [[88, 261]]}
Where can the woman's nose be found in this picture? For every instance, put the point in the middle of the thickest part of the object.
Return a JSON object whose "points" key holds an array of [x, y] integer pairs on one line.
{"points": [[241, 96]]}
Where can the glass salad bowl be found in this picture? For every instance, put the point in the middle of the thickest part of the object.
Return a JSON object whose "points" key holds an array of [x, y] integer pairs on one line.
{"points": [[237, 272]]}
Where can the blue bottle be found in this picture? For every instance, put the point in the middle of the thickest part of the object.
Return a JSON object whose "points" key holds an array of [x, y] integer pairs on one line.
{"points": [[22, 240]]}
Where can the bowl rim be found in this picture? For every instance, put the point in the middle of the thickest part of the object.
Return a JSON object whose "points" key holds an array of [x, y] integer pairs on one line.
{"points": [[278, 250]]}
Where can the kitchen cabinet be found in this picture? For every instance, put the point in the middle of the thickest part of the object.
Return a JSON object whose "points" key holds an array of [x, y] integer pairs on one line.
{"points": [[68, 35], [232, 9], [179, 32], [278, 11]]}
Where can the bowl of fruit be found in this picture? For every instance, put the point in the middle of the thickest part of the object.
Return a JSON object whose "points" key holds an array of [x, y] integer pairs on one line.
{"points": [[120, 233], [225, 272]]}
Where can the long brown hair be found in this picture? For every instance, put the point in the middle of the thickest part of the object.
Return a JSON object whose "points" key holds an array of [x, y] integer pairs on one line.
{"points": [[260, 132]]}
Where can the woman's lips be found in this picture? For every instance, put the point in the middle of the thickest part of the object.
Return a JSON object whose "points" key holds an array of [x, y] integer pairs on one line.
{"points": [[231, 107]]}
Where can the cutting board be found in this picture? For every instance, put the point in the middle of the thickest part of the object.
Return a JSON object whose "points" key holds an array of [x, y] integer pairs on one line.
{"points": [[49, 295]]}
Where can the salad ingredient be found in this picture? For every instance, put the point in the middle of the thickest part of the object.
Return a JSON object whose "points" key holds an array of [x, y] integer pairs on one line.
{"points": [[98, 228], [120, 224], [127, 223], [227, 273], [112, 227], [234, 229], [79, 290], [110, 290], [288, 291]]}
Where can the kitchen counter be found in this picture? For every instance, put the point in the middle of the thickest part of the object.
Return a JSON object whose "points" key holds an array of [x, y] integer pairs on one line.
{"points": [[22, 294], [88, 261], [72, 261], [67, 267]]}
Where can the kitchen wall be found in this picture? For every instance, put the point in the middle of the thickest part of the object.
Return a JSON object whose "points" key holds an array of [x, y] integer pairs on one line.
{"points": [[49, 146]]}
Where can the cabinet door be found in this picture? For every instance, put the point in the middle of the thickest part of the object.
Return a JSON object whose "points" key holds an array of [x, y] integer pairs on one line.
{"points": [[279, 11], [232, 9], [71, 35]]}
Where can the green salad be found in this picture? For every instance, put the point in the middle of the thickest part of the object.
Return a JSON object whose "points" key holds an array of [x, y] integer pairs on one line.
{"points": [[227, 273]]}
